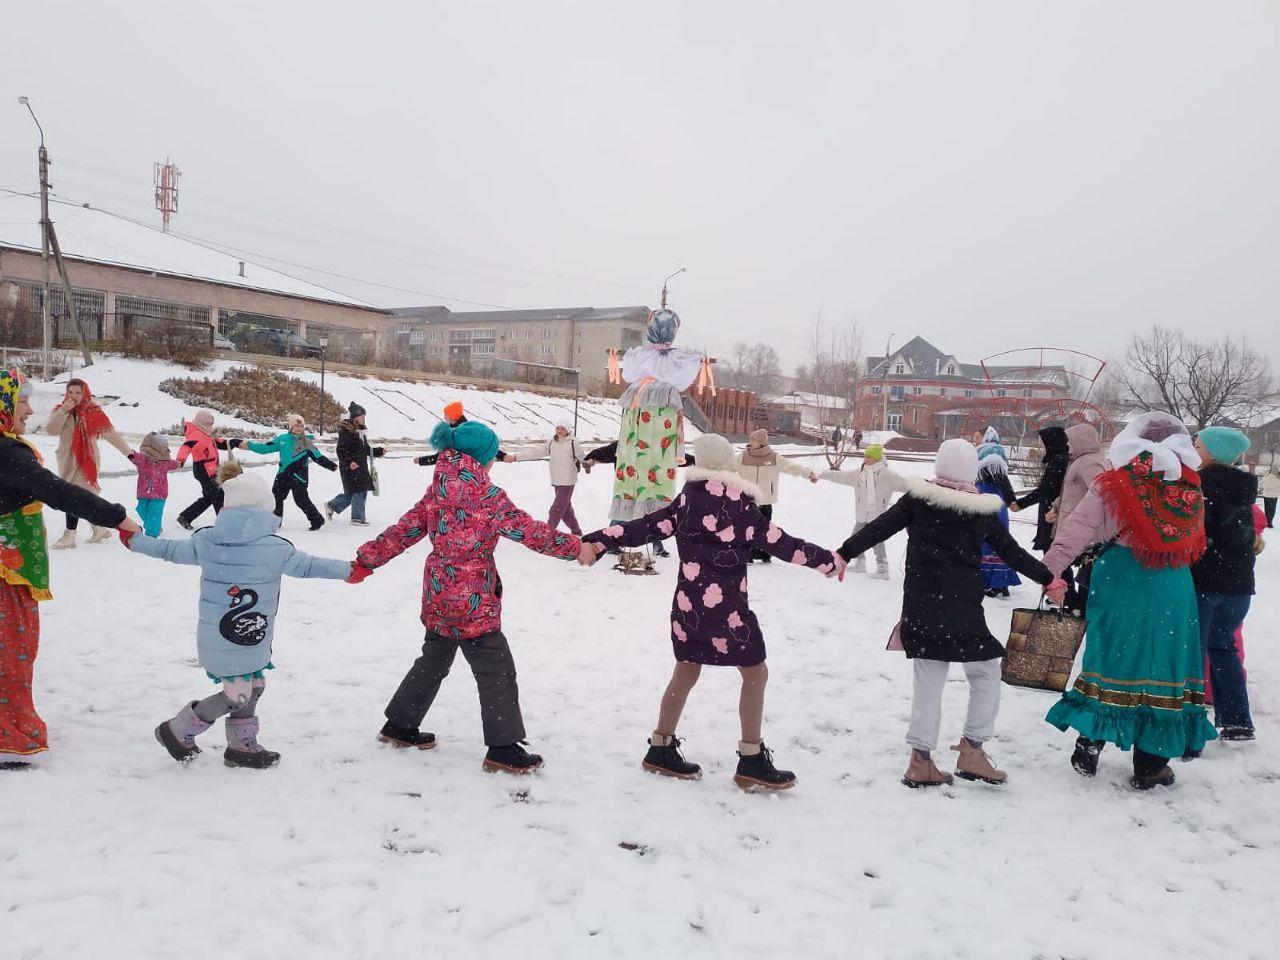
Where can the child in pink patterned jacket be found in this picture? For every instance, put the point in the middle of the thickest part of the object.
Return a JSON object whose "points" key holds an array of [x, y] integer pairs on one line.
{"points": [[464, 514], [154, 462]]}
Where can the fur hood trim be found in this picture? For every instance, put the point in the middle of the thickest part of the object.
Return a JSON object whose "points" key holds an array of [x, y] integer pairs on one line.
{"points": [[958, 500], [727, 477]]}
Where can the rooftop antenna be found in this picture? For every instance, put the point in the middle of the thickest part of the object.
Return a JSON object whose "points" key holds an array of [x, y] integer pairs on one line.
{"points": [[166, 176], [664, 286]]}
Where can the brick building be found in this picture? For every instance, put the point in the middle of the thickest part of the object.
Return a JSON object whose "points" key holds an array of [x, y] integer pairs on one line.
{"points": [[922, 392]]}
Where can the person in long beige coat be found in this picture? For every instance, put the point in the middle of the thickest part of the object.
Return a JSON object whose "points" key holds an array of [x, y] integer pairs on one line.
{"points": [[79, 423]]}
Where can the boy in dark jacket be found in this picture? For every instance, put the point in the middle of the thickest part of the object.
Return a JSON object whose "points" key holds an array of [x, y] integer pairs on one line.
{"points": [[942, 617], [1224, 574], [354, 455]]}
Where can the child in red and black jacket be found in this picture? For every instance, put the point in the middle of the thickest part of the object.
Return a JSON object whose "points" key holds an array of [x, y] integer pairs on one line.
{"points": [[202, 447]]}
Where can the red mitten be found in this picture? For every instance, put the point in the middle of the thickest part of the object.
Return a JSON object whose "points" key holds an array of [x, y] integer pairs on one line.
{"points": [[125, 537], [358, 572]]}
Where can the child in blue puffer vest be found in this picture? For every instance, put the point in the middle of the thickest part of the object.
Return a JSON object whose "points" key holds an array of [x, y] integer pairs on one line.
{"points": [[296, 449], [241, 561]]}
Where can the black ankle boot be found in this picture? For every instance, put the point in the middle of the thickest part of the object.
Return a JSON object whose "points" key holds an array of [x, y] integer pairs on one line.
{"points": [[659, 550], [513, 758], [757, 771], [669, 762], [1085, 758], [405, 737]]}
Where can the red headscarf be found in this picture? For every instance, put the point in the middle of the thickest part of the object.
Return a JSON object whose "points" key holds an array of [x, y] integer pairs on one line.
{"points": [[89, 422]]}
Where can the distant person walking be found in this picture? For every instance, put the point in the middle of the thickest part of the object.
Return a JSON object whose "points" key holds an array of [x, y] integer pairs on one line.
{"points": [[564, 456], [355, 458]]}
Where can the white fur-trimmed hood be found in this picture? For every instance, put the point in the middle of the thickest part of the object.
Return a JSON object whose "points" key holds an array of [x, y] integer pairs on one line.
{"points": [[961, 501], [728, 477]]}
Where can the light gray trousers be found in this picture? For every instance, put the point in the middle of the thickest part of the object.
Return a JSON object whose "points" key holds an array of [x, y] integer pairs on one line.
{"points": [[926, 701], [878, 550]]}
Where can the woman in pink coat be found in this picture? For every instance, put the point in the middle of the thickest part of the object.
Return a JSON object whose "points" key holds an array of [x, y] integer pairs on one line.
{"points": [[464, 514]]}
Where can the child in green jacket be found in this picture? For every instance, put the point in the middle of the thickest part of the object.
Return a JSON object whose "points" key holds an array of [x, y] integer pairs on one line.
{"points": [[296, 450]]}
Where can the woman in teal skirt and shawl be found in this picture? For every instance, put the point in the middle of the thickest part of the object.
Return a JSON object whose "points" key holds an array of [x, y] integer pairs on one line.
{"points": [[1141, 685]]}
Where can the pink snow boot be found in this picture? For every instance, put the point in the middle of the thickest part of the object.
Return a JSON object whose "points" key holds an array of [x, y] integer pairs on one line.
{"points": [[178, 735], [243, 749]]}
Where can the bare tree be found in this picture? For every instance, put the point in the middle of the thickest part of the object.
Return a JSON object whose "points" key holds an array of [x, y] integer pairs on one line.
{"points": [[833, 374], [753, 366], [1201, 382]]}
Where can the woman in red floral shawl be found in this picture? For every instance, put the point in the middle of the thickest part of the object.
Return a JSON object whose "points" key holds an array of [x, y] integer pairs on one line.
{"points": [[79, 423], [1141, 685]]}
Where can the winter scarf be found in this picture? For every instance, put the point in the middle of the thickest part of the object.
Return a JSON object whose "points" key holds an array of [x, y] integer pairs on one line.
{"points": [[302, 444], [155, 447], [89, 423], [991, 455], [24, 554], [759, 453], [1163, 520]]}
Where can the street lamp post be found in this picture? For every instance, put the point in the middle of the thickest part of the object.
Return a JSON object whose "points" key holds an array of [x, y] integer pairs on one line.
{"points": [[46, 319], [664, 286], [324, 350]]}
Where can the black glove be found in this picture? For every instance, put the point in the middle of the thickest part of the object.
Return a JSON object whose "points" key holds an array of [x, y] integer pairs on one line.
{"points": [[427, 460], [379, 451]]}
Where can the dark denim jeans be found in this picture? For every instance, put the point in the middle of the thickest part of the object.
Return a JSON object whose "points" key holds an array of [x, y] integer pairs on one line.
{"points": [[1220, 615]]}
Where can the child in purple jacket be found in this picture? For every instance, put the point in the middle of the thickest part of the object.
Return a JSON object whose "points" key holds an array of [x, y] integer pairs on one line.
{"points": [[154, 462], [717, 526]]}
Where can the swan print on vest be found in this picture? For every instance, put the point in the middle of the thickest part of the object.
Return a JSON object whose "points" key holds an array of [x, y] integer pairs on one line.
{"points": [[242, 625]]}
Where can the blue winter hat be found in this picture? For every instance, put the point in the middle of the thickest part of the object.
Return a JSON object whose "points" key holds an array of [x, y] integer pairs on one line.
{"points": [[474, 439], [1225, 444]]}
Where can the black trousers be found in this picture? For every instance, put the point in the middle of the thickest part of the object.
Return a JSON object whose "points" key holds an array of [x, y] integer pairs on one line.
{"points": [[210, 496], [767, 510], [489, 657], [1269, 508], [1144, 764], [290, 483]]}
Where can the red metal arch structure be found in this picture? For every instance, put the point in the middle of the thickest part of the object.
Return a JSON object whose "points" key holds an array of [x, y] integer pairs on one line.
{"points": [[1077, 371]]}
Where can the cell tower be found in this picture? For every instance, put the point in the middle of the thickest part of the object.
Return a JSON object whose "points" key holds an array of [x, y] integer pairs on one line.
{"points": [[166, 176]]}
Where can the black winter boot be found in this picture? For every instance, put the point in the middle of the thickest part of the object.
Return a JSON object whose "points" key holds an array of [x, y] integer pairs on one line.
{"points": [[405, 737], [1237, 733], [1085, 757], [1149, 771], [756, 770], [665, 758], [659, 550], [513, 758]]}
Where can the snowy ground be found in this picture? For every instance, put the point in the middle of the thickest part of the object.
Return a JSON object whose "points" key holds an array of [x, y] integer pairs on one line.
{"points": [[349, 849]]}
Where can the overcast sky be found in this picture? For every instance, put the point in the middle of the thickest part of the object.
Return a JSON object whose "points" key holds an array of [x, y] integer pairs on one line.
{"points": [[988, 175]]}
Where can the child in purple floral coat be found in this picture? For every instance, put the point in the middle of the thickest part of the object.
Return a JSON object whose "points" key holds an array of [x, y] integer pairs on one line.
{"points": [[717, 525]]}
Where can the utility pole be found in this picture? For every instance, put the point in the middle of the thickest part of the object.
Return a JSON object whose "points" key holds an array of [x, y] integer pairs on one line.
{"points": [[70, 298], [884, 385], [46, 321]]}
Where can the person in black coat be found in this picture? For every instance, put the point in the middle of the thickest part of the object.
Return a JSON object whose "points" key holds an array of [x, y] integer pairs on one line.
{"points": [[1057, 457], [24, 558], [353, 455], [453, 415], [1224, 574], [943, 621]]}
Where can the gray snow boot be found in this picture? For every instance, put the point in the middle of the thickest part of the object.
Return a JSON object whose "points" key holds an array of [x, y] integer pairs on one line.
{"points": [[178, 735], [243, 749]]}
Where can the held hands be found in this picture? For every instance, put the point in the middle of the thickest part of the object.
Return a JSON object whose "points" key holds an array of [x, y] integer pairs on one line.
{"points": [[509, 458], [589, 553], [354, 465], [813, 478], [1057, 590], [1051, 516], [837, 572], [358, 572], [1013, 507]]}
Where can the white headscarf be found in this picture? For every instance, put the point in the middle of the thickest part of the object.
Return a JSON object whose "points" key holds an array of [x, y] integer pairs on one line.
{"points": [[1163, 436]]}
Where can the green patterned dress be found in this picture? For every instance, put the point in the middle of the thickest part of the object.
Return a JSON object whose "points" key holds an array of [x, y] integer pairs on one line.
{"points": [[645, 474]]}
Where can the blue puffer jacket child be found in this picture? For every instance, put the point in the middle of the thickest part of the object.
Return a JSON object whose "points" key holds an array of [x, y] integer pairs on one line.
{"points": [[241, 561]]}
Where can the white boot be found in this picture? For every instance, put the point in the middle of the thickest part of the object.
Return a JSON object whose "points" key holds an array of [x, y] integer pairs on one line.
{"points": [[66, 542], [100, 534]]}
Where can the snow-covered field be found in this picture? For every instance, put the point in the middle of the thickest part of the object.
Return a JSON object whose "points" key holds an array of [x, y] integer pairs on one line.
{"points": [[397, 409], [352, 850]]}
